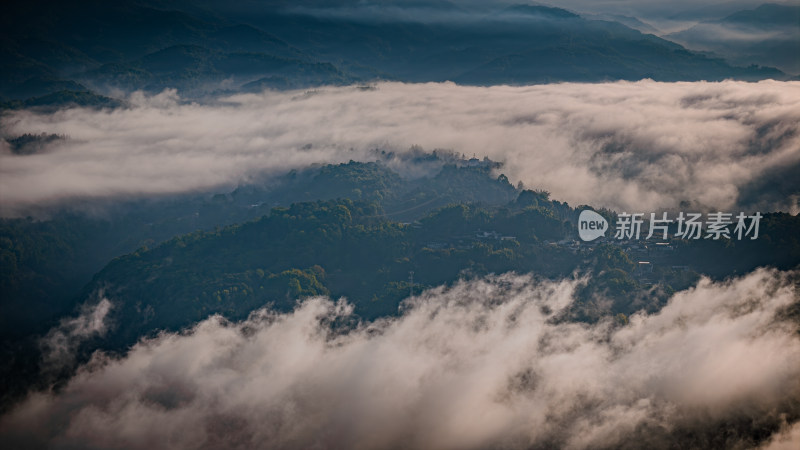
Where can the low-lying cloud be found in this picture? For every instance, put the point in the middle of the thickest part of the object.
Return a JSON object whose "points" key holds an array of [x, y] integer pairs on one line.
{"points": [[60, 345], [484, 364], [625, 145]]}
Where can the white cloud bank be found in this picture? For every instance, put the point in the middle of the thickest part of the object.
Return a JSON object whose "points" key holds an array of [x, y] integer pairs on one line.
{"points": [[484, 364], [627, 145]]}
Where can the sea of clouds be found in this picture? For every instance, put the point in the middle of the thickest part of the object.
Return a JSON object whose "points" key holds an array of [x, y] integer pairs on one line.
{"points": [[626, 145], [483, 364]]}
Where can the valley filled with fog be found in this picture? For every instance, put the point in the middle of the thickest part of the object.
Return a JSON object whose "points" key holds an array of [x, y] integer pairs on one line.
{"points": [[481, 364], [617, 145], [361, 224]]}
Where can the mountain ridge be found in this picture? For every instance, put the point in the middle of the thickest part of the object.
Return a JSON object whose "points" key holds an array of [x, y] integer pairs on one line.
{"points": [[108, 47]]}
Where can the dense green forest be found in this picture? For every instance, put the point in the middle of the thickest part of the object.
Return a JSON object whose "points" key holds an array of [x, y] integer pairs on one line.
{"points": [[369, 229], [355, 230], [45, 262], [346, 248]]}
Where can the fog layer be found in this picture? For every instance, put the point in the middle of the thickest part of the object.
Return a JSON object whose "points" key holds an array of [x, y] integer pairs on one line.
{"points": [[484, 363], [627, 145]]}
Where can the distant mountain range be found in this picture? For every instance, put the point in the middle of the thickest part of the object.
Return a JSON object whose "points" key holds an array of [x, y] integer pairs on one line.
{"points": [[769, 35], [108, 47]]}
